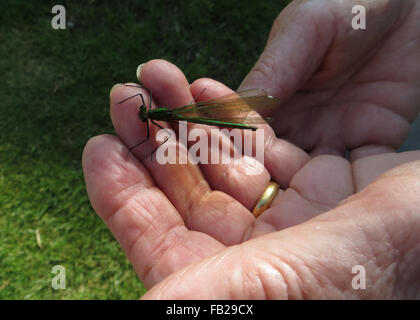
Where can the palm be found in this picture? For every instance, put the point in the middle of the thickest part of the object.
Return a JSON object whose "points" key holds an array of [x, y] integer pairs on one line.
{"points": [[344, 89], [162, 234]]}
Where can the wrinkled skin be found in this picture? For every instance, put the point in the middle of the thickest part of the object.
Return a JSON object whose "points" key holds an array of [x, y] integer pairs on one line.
{"points": [[187, 229]]}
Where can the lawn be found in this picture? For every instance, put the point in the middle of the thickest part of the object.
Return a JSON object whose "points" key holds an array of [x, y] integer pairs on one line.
{"points": [[54, 97]]}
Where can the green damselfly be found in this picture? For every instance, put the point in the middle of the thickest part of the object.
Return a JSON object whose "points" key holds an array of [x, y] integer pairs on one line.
{"points": [[236, 110]]}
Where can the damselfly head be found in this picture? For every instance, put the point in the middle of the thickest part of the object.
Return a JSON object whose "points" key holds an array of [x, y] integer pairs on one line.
{"points": [[143, 113]]}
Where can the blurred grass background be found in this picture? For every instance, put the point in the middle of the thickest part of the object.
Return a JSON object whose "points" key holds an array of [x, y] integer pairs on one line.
{"points": [[54, 97]]}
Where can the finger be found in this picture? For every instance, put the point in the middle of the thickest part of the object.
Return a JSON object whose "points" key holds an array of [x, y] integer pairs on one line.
{"points": [[202, 209], [322, 185], [146, 224], [367, 169], [376, 231], [241, 176], [293, 51], [318, 187], [281, 158], [369, 150], [168, 82], [138, 135]]}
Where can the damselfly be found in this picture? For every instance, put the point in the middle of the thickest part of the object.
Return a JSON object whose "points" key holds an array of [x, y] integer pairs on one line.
{"points": [[236, 110]]}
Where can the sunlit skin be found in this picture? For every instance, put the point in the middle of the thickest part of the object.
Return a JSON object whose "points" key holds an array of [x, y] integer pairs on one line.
{"points": [[188, 229], [237, 110]]}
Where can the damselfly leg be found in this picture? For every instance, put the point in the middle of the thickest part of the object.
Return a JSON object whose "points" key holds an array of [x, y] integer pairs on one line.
{"points": [[147, 121]]}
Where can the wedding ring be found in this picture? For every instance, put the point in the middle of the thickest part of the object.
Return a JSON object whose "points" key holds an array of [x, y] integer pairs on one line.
{"points": [[266, 199]]}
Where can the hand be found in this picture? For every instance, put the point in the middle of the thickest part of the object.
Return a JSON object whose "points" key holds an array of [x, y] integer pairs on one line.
{"points": [[179, 234], [343, 89]]}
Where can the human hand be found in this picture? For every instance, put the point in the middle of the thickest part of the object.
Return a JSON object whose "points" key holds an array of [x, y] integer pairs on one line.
{"points": [[180, 235], [343, 89]]}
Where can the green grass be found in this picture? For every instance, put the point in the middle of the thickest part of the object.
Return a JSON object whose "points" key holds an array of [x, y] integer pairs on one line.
{"points": [[54, 96]]}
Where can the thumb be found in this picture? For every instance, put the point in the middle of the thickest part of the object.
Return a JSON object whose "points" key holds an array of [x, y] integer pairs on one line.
{"points": [[298, 41]]}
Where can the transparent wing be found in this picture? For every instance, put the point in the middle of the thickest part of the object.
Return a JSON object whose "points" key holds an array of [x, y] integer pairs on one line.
{"points": [[236, 107]]}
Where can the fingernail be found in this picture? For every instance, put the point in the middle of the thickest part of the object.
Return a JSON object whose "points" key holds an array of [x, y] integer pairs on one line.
{"points": [[114, 86], [138, 71]]}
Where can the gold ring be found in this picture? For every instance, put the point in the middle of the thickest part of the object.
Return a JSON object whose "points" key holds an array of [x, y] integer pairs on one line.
{"points": [[266, 198]]}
